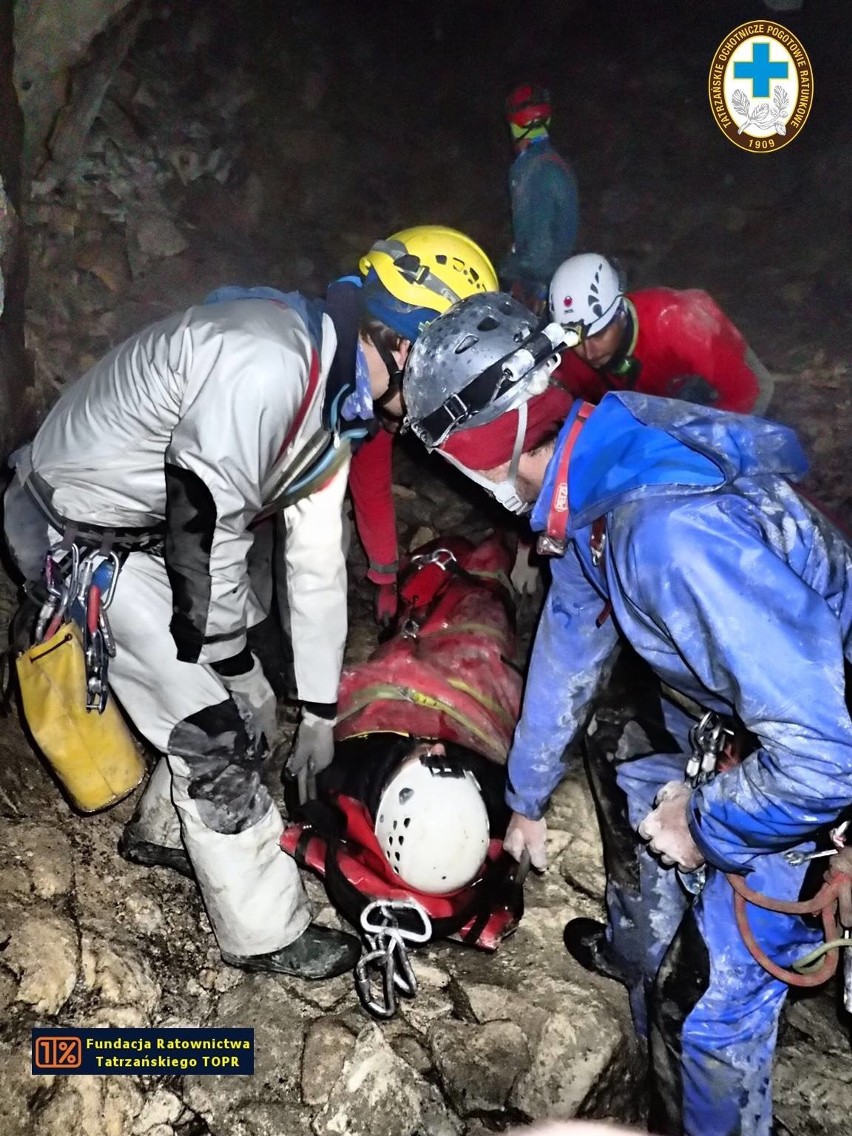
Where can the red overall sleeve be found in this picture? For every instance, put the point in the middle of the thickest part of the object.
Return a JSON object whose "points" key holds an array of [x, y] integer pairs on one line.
{"points": [[704, 342], [579, 379], [371, 486]]}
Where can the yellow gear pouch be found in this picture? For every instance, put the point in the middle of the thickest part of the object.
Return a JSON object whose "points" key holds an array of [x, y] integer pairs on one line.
{"points": [[92, 754]]}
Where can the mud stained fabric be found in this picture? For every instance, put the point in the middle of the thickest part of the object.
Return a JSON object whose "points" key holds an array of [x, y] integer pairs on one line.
{"points": [[187, 422], [687, 561], [226, 818], [191, 422], [738, 594], [685, 347], [207, 794], [710, 1011], [545, 215], [453, 680], [715, 1011]]}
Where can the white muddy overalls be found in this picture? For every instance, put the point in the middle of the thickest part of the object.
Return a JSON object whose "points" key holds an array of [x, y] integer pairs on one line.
{"points": [[187, 427]]}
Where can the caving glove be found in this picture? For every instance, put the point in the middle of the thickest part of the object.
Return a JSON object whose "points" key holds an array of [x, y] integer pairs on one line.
{"points": [[666, 828], [313, 748], [692, 388], [528, 835], [524, 575], [254, 697]]}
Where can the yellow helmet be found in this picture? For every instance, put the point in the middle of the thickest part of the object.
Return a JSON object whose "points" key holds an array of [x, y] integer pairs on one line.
{"points": [[416, 274]]}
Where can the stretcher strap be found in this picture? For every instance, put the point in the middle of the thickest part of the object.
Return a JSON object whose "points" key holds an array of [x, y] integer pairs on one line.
{"points": [[483, 700], [406, 694], [469, 625]]}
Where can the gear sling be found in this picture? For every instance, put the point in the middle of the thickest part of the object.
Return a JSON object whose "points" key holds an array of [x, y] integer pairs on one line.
{"points": [[62, 676]]}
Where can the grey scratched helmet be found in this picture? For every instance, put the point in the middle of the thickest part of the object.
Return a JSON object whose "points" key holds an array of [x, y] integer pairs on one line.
{"points": [[483, 357]]}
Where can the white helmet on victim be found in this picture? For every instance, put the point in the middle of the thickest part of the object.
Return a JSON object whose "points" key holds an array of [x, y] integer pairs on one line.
{"points": [[432, 824]]}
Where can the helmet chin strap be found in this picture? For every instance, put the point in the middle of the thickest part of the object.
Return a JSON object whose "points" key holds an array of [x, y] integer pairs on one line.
{"points": [[394, 382], [505, 491], [519, 444], [620, 360]]}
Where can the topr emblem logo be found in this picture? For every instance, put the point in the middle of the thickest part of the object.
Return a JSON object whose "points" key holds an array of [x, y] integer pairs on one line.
{"points": [[761, 86]]}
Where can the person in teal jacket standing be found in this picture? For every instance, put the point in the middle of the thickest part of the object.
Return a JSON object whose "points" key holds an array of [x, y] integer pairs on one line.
{"points": [[545, 206]]}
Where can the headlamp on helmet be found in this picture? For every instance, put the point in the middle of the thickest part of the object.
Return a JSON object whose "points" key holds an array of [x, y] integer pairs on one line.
{"points": [[482, 358], [585, 295]]}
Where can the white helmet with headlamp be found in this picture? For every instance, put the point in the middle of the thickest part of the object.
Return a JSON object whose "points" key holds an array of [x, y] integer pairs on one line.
{"points": [[585, 294]]}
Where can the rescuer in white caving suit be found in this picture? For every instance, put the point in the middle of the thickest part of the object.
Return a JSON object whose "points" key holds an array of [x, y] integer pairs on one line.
{"points": [[172, 445]]}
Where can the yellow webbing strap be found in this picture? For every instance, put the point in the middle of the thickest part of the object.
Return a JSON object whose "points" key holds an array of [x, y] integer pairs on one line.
{"points": [[418, 698]]}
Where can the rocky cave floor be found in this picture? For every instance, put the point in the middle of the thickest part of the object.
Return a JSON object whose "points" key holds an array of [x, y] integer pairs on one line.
{"points": [[278, 159]]}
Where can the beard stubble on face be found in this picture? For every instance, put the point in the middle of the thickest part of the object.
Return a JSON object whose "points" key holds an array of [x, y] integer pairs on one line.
{"points": [[527, 489], [527, 484]]}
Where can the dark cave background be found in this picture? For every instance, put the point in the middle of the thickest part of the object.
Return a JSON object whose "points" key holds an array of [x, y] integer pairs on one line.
{"points": [[253, 141]]}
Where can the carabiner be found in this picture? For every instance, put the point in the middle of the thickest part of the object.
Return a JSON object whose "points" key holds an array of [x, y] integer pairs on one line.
{"points": [[443, 557], [707, 739], [400, 967], [387, 909], [386, 1007], [73, 571], [105, 577], [388, 951]]}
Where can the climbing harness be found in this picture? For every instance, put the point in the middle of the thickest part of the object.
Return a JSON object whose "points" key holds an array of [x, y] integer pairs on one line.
{"points": [[716, 746], [838, 840], [385, 967]]}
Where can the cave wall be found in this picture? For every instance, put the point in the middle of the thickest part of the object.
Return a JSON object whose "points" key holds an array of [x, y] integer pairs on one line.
{"points": [[52, 37], [16, 417], [56, 60]]}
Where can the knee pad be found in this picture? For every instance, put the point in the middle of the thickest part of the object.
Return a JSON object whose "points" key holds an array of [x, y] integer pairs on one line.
{"points": [[225, 765]]}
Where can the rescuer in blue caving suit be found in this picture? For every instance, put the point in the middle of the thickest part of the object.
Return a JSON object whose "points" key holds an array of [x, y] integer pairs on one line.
{"points": [[676, 534]]}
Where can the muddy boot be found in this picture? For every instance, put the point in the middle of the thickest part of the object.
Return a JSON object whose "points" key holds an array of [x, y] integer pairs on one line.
{"points": [[585, 941], [319, 952], [151, 837], [133, 848]]}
